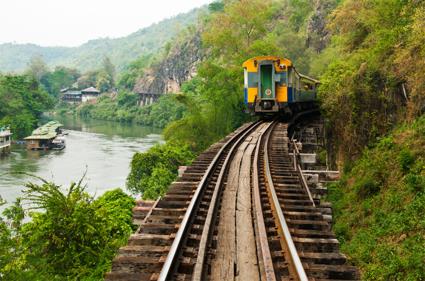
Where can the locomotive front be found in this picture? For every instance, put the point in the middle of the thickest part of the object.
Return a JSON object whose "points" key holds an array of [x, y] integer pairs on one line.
{"points": [[273, 85], [266, 80]]}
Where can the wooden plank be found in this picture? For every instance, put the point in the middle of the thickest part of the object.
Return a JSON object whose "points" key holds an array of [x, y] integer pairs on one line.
{"points": [[223, 266], [247, 261]]}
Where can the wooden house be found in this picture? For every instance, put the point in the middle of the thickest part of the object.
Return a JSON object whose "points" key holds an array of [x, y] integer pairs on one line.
{"points": [[89, 94], [72, 97]]}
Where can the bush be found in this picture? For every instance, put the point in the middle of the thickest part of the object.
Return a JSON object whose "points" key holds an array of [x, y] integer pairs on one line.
{"points": [[406, 159], [74, 237], [366, 188], [153, 171], [415, 183]]}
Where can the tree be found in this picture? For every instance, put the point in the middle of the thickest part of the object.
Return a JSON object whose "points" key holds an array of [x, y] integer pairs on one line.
{"points": [[231, 33], [88, 79], [61, 77], [103, 81], [217, 6], [22, 103], [37, 67], [109, 70]]}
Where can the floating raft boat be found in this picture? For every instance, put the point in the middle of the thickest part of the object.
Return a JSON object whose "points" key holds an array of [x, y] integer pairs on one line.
{"points": [[44, 138]]}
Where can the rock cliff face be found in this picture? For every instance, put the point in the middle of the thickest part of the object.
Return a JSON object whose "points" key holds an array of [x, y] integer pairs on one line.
{"points": [[178, 66], [318, 36]]}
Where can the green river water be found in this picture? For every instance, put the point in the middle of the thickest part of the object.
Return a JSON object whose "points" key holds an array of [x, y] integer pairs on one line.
{"points": [[101, 149]]}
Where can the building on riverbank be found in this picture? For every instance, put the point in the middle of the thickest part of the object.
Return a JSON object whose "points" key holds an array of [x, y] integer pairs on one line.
{"points": [[72, 97], [5, 140], [77, 97], [89, 94], [42, 138]]}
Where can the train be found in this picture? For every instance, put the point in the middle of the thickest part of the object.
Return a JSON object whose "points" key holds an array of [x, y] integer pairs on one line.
{"points": [[273, 86]]}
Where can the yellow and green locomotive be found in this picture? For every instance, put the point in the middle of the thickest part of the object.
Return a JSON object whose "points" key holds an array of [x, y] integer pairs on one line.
{"points": [[273, 85]]}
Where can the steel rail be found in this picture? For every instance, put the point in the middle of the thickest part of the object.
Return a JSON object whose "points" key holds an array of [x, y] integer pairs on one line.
{"points": [[266, 256], [284, 229], [150, 212], [173, 254], [198, 273], [300, 172]]}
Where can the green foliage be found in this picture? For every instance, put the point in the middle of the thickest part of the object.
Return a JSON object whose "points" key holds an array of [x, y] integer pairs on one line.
{"points": [[231, 33], [105, 79], [59, 79], [406, 159], [74, 237], [378, 208], [366, 187], [376, 61], [154, 170], [217, 6], [215, 107], [37, 68], [134, 71], [22, 103]]}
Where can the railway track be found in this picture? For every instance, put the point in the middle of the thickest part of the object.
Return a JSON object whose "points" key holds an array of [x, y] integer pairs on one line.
{"points": [[242, 211]]}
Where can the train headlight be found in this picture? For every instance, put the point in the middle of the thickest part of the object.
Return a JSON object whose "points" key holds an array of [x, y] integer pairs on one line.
{"points": [[267, 105]]}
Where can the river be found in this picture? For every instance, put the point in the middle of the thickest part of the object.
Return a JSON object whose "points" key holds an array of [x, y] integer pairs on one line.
{"points": [[101, 149]]}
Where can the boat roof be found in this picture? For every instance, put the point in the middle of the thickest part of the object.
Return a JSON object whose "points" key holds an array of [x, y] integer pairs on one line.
{"points": [[45, 132]]}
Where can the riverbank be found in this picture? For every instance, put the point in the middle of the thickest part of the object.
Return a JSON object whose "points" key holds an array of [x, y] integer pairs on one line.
{"points": [[125, 108]]}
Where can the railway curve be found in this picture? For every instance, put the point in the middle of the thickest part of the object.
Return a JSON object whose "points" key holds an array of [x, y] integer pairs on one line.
{"points": [[242, 211]]}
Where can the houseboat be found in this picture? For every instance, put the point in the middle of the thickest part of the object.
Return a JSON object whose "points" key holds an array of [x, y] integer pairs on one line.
{"points": [[45, 137], [5, 140]]}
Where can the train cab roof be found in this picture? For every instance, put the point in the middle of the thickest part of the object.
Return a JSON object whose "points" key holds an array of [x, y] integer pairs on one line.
{"points": [[252, 63]]}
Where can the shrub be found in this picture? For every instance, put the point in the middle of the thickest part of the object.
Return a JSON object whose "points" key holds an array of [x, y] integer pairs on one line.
{"points": [[415, 183], [406, 159], [74, 237], [366, 187], [152, 171]]}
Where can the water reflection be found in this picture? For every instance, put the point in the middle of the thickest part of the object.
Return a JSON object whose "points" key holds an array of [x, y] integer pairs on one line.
{"points": [[100, 148]]}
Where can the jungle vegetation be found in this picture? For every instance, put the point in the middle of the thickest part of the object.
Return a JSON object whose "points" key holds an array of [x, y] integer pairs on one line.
{"points": [[379, 205], [70, 235], [22, 101]]}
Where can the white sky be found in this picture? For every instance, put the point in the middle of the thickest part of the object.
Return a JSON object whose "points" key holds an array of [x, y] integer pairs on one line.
{"points": [[73, 22]]}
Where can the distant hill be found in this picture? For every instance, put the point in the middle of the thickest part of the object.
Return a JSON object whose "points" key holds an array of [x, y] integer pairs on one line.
{"points": [[14, 57]]}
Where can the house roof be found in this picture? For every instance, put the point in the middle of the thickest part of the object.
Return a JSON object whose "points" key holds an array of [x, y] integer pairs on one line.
{"points": [[73, 93], [90, 90], [45, 132]]}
